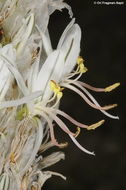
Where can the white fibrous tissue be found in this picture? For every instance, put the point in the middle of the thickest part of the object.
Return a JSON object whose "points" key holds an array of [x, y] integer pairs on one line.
{"points": [[33, 77]]}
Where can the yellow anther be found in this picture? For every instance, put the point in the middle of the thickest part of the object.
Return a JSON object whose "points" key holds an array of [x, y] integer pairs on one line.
{"points": [[112, 87], [12, 158], [59, 95], [80, 62], [82, 69], [56, 89], [77, 132], [94, 126]]}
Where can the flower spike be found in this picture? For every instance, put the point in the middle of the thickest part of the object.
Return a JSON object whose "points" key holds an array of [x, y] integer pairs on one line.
{"points": [[32, 78]]}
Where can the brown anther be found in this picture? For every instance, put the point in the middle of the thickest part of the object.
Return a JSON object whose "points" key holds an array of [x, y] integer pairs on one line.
{"points": [[110, 106], [33, 188], [35, 54], [63, 145], [14, 84]]}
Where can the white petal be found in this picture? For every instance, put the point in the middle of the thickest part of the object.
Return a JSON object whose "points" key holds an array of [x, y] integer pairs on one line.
{"points": [[56, 74], [24, 100], [5, 75], [23, 34], [31, 148], [59, 5], [62, 39], [71, 48], [51, 70], [46, 71], [34, 70], [17, 75], [46, 42]]}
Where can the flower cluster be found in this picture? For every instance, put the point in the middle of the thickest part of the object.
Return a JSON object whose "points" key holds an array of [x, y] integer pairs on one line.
{"points": [[33, 77]]}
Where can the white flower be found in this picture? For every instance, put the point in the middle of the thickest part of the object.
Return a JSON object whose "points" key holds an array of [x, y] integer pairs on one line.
{"points": [[56, 70], [25, 145]]}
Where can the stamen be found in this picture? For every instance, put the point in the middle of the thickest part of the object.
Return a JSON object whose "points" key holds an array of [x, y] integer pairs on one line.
{"points": [[56, 103], [56, 89], [80, 70], [112, 87], [66, 129], [63, 145], [53, 98], [81, 67], [79, 84], [110, 106], [69, 118], [94, 126], [54, 141], [90, 87], [60, 123], [86, 99]]}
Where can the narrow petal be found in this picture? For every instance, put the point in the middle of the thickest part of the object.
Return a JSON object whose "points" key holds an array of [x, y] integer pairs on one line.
{"points": [[71, 48], [23, 34], [24, 100], [51, 70], [16, 74], [38, 141], [62, 39], [46, 41], [34, 70]]}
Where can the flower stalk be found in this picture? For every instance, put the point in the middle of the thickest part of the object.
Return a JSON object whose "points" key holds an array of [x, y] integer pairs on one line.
{"points": [[33, 78]]}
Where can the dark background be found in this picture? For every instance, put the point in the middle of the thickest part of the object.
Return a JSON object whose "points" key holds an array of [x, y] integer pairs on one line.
{"points": [[103, 48]]}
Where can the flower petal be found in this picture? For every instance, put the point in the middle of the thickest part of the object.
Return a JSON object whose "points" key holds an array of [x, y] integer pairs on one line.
{"points": [[70, 46], [51, 70], [24, 100]]}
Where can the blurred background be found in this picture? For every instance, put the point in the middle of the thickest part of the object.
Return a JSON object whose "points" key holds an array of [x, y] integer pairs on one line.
{"points": [[103, 47]]}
